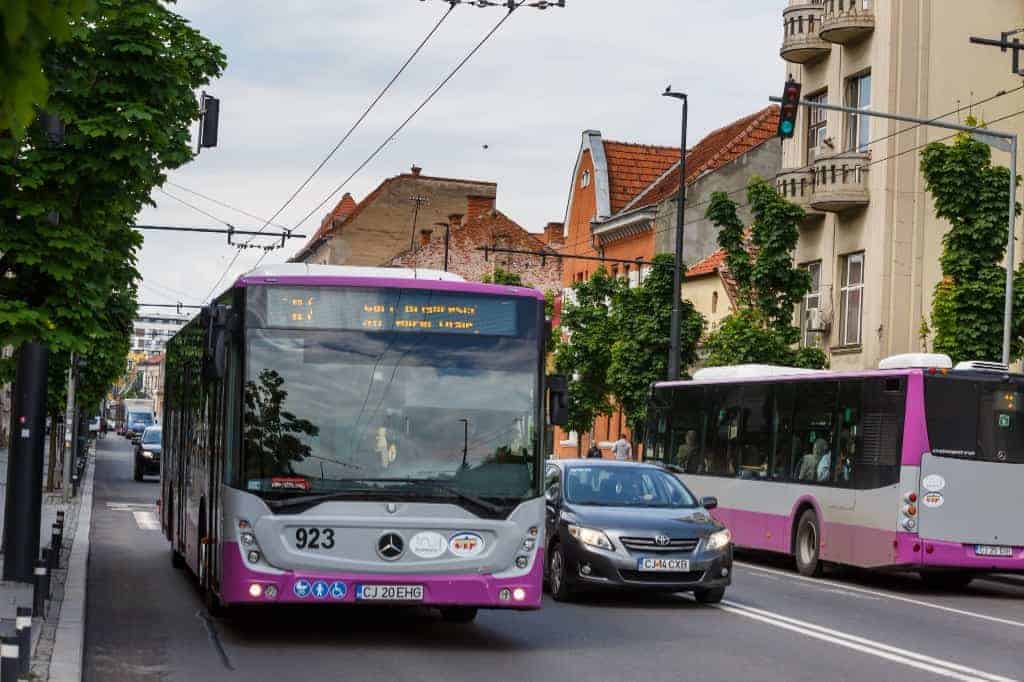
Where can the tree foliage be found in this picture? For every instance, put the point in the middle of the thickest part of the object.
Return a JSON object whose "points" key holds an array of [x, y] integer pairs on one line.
{"points": [[123, 83], [27, 27], [642, 320], [586, 354], [769, 286], [502, 276], [971, 195]]}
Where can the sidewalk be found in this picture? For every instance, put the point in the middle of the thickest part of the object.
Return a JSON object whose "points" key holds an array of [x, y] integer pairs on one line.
{"points": [[58, 637]]}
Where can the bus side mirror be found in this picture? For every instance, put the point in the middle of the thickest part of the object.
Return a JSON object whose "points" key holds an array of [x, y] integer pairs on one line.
{"points": [[709, 503], [558, 399], [216, 320]]}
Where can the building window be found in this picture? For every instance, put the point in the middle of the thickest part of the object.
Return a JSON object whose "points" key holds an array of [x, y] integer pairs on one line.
{"points": [[585, 179], [851, 299], [714, 302], [816, 126], [811, 304], [858, 95]]}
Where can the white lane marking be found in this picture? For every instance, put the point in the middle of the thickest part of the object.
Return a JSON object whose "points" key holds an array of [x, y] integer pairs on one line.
{"points": [[826, 584], [911, 659], [130, 506], [146, 520]]}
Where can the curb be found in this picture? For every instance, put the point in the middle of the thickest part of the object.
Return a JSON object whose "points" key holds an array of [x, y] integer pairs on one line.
{"points": [[69, 645]]}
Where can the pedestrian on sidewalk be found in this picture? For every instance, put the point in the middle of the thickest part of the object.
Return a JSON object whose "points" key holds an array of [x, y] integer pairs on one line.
{"points": [[622, 450], [594, 452]]}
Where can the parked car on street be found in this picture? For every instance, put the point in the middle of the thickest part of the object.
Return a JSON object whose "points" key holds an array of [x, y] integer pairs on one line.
{"points": [[147, 453], [634, 526]]}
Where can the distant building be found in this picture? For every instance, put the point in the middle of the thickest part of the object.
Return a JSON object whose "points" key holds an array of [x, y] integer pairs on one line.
{"points": [[483, 225], [152, 372], [151, 333], [380, 227]]}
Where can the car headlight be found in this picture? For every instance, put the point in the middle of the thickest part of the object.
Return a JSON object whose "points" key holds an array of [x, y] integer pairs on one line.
{"points": [[719, 539], [148, 454], [589, 536]]}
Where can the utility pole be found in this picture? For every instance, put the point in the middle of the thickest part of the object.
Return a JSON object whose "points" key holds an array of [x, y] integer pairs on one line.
{"points": [[70, 437], [418, 200], [447, 237], [677, 270]]}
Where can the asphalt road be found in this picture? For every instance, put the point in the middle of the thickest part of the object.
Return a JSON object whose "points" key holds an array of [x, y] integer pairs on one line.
{"points": [[146, 621]]}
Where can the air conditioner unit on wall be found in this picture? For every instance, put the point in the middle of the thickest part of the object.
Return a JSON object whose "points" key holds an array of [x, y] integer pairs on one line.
{"points": [[818, 321]]}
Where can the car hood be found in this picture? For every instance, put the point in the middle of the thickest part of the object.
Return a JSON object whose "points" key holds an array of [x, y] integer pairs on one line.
{"points": [[645, 520]]}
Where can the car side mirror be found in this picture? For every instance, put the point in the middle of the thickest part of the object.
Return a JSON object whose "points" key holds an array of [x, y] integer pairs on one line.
{"points": [[709, 503], [558, 399]]}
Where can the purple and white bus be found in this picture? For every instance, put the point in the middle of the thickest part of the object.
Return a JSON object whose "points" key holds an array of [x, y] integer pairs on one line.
{"points": [[912, 467], [336, 435]]}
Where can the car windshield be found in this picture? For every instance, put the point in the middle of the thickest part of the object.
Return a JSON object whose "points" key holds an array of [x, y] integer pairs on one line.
{"points": [[151, 437], [607, 486], [140, 418], [322, 408]]}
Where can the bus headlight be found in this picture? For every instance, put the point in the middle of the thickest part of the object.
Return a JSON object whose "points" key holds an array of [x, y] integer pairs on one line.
{"points": [[719, 539], [589, 536], [248, 539]]}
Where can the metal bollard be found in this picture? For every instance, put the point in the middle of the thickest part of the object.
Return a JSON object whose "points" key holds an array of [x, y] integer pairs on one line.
{"points": [[23, 631], [56, 542], [48, 557], [74, 485], [10, 668], [60, 518], [42, 589]]}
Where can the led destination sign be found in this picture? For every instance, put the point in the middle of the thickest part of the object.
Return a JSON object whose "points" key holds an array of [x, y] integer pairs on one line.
{"points": [[376, 310]]}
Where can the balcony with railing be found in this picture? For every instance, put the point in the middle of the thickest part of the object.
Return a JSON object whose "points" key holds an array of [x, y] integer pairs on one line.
{"points": [[796, 185], [840, 182], [801, 43], [846, 21]]}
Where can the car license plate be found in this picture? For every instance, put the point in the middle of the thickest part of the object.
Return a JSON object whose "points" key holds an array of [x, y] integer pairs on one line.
{"points": [[389, 592], [993, 550], [654, 564]]}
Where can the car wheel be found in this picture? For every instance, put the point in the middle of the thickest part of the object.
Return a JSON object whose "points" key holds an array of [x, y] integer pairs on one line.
{"points": [[458, 614], [946, 581], [560, 590], [136, 469], [709, 595], [808, 545]]}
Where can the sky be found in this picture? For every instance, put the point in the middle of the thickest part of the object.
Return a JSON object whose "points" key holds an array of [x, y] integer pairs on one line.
{"points": [[301, 72]]}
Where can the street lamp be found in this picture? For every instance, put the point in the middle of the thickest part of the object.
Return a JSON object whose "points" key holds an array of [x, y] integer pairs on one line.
{"points": [[677, 271]]}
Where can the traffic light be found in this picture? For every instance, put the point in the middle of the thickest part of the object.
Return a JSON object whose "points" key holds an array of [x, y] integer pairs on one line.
{"points": [[790, 106]]}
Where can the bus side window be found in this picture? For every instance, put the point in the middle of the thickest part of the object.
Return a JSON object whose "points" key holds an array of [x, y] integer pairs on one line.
{"points": [[787, 448], [722, 449], [849, 443], [814, 426], [687, 409], [877, 464], [755, 440]]}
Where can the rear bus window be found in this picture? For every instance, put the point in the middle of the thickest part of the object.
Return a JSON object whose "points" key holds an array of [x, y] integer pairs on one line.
{"points": [[975, 419]]}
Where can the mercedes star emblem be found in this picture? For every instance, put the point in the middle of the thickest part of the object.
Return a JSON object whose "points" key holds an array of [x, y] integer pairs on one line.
{"points": [[391, 507], [662, 540], [390, 546]]}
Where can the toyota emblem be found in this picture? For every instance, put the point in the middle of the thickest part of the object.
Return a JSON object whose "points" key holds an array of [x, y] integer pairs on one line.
{"points": [[390, 546], [662, 540]]}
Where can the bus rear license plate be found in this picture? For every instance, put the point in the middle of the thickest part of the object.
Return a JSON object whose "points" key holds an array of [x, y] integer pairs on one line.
{"points": [[389, 592], [653, 564], [993, 550]]}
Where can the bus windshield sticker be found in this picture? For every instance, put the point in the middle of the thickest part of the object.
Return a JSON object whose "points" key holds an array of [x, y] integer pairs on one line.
{"points": [[933, 483], [289, 483], [466, 545], [428, 545], [933, 500], [374, 310]]}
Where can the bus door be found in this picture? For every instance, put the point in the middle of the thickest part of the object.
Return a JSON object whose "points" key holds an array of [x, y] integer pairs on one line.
{"points": [[972, 476]]}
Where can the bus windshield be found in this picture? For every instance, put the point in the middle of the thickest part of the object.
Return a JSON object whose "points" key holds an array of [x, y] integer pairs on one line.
{"points": [[326, 408], [975, 418]]}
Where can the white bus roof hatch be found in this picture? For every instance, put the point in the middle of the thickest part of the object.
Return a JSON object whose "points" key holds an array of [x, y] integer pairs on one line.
{"points": [[910, 360], [751, 371]]}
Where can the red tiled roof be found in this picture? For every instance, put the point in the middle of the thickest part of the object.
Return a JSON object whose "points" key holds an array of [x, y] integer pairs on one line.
{"points": [[632, 167], [716, 149], [707, 265]]}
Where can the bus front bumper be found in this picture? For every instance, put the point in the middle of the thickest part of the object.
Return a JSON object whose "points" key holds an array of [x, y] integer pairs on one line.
{"points": [[241, 585]]}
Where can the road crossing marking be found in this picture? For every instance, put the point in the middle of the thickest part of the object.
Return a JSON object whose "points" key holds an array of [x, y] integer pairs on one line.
{"points": [[833, 585], [146, 520], [144, 514], [872, 647]]}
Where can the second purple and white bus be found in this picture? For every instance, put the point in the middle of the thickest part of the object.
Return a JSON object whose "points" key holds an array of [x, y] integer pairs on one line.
{"points": [[914, 467]]}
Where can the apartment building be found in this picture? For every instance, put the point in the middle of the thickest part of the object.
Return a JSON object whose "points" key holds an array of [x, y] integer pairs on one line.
{"points": [[152, 332], [871, 239]]}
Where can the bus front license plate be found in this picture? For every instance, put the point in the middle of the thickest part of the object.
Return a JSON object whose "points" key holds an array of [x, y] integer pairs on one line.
{"points": [[993, 550], [389, 592], [653, 564]]}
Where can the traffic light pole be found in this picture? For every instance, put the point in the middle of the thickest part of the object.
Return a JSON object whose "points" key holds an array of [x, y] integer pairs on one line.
{"points": [[677, 270], [1001, 140], [70, 437]]}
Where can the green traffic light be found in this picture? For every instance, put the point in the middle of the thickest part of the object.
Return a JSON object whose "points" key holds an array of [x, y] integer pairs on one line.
{"points": [[786, 127]]}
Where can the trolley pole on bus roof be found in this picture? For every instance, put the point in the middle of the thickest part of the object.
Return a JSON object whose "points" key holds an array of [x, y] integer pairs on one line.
{"points": [[1003, 141]]}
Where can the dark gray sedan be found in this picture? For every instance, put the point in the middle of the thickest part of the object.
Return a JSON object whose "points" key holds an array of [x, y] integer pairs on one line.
{"points": [[147, 453], [633, 526]]}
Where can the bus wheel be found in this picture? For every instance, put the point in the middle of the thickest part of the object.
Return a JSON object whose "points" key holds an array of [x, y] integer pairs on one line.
{"points": [[808, 545], [458, 614], [946, 580]]}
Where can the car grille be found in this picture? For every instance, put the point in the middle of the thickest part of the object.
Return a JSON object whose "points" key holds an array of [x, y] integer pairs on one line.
{"points": [[662, 577], [650, 545]]}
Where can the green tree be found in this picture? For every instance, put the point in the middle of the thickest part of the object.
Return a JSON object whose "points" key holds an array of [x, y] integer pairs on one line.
{"points": [[586, 352], [502, 276], [271, 433], [27, 27], [970, 194], [769, 286], [123, 83], [642, 320]]}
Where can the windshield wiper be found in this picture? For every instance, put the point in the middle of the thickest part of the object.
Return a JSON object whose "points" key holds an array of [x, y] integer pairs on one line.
{"points": [[458, 494], [415, 488]]}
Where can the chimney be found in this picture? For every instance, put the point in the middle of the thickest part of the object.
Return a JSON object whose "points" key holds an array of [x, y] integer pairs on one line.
{"points": [[554, 233], [455, 220], [416, 170], [425, 236], [478, 205]]}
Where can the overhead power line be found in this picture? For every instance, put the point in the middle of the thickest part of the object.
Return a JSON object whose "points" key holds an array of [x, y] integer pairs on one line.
{"points": [[223, 204]]}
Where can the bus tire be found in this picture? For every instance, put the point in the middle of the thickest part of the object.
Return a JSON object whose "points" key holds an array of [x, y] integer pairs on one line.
{"points": [[946, 580], [458, 614], [807, 547], [557, 575]]}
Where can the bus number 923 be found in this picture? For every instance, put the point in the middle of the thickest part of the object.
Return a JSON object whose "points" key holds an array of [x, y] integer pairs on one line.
{"points": [[314, 538]]}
